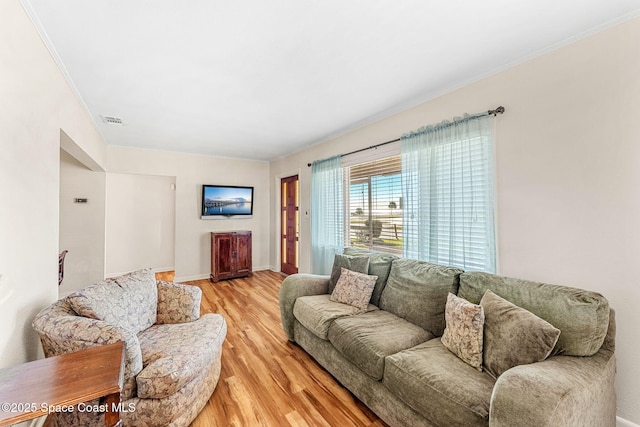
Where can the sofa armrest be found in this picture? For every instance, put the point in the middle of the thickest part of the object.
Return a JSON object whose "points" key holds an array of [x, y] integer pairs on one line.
{"points": [[178, 303], [560, 391], [295, 286]]}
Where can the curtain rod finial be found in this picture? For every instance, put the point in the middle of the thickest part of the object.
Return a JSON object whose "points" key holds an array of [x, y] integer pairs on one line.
{"points": [[497, 111]]}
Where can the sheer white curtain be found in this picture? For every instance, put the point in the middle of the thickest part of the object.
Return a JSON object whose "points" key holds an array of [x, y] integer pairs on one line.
{"points": [[327, 213], [448, 194]]}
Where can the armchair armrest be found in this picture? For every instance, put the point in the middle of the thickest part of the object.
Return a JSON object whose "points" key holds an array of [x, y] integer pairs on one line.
{"points": [[62, 331], [295, 286], [178, 303], [560, 391]]}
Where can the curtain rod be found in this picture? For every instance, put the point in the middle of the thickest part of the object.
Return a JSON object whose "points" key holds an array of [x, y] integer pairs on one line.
{"points": [[493, 113]]}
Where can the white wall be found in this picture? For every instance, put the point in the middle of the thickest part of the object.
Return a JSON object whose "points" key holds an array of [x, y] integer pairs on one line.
{"points": [[568, 173], [36, 103], [81, 224], [140, 223], [192, 238]]}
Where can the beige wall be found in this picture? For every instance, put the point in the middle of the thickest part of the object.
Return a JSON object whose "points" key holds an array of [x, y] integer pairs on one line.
{"points": [[192, 238], [81, 224], [35, 104], [140, 223], [568, 173]]}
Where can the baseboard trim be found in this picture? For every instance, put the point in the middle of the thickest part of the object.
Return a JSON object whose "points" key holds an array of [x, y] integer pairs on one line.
{"points": [[155, 270], [181, 279], [621, 422]]}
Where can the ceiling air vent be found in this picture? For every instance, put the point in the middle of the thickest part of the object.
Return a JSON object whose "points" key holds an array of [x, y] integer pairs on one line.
{"points": [[112, 120]]}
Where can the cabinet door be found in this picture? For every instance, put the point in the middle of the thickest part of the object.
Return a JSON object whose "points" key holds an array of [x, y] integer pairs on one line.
{"points": [[243, 253], [222, 260]]}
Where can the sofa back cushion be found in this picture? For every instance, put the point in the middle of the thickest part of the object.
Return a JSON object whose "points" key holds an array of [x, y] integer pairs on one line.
{"points": [[359, 264], [379, 265], [582, 316], [129, 301], [417, 291]]}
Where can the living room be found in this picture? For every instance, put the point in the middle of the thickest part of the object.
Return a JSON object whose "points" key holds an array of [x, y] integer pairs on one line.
{"points": [[566, 178]]}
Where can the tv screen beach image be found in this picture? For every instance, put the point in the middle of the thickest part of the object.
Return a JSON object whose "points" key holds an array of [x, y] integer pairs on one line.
{"points": [[219, 200]]}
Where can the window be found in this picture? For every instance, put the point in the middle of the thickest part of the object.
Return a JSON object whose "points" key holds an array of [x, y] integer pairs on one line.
{"points": [[374, 205], [447, 184], [428, 197]]}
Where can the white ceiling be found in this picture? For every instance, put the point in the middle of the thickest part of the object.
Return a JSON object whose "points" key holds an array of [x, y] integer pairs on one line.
{"points": [[261, 79]]}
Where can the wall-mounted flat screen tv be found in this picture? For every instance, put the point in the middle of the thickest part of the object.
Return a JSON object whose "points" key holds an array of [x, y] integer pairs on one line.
{"points": [[225, 201]]}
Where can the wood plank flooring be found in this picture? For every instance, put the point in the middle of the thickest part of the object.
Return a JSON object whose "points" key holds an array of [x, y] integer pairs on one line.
{"points": [[267, 380]]}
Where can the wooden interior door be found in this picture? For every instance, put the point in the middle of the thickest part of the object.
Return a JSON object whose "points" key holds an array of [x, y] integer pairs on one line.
{"points": [[290, 222]]}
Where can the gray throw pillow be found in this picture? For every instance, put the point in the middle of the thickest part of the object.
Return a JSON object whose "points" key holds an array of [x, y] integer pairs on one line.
{"points": [[359, 264], [513, 336]]}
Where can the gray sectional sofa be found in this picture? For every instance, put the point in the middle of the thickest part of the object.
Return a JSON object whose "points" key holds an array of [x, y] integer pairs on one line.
{"points": [[391, 355]]}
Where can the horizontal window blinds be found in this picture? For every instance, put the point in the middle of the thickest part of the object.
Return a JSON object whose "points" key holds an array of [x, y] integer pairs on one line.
{"points": [[448, 198], [428, 197]]}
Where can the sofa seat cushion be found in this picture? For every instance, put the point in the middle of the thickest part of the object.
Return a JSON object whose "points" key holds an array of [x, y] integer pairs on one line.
{"points": [[366, 339], [129, 301], [441, 387], [175, 354], [316, 312]]}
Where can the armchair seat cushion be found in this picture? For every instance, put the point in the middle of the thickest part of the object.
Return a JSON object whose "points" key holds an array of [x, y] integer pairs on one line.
{"points": [[437, 384], [367, 339], [173, 355]]}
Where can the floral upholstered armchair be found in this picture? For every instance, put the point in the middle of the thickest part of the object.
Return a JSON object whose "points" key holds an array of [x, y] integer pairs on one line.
{"points": [[172, 354]]}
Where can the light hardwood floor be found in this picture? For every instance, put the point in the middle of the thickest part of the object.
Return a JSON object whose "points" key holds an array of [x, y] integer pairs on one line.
{"points": [[267, 380]]}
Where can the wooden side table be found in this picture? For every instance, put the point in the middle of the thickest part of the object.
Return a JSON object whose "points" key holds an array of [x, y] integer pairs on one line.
{"points": [[56, 384]]}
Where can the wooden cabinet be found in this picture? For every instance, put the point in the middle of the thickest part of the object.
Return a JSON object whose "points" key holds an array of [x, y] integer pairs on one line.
{"points": [[230, 255]]}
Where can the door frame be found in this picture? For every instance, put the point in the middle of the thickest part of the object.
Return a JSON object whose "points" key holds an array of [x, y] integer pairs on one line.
{"points": [[290, 219], [277, 216]]}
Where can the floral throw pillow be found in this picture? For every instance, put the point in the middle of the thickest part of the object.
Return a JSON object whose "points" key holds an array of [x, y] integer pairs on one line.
{"points": [[354, 289], [464, 329], [359, 264]]}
